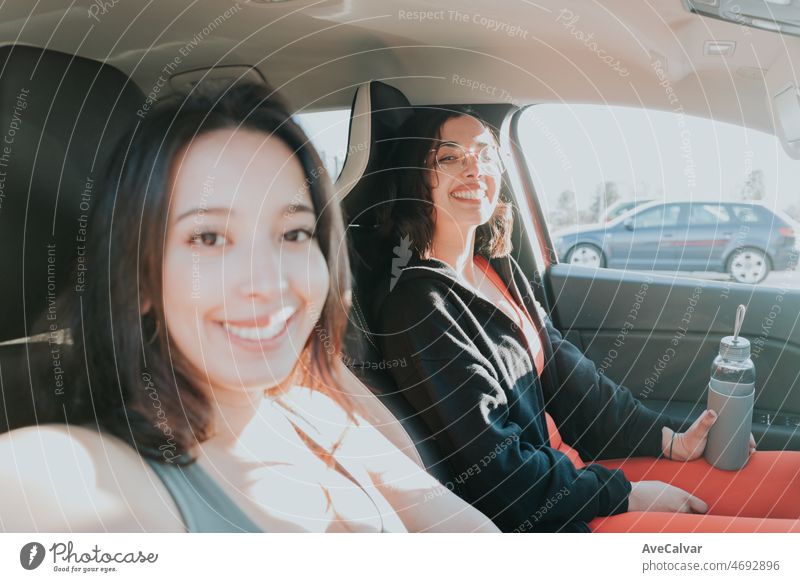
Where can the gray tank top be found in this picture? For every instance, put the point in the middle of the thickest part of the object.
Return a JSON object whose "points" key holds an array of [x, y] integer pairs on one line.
{"points": [[204, 506]]}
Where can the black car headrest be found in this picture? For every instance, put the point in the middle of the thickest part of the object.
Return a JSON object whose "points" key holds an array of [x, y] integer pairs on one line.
{"points": [[378, 112], [59, 117], [21, 381], [377, 115]]}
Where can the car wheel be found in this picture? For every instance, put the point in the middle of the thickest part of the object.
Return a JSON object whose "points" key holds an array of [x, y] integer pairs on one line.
{"points": [[586, 255], [749, 266]]}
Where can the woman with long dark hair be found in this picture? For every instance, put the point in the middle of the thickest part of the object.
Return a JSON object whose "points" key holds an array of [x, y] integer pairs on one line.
{"points": [[514, 408], [203, 383]]}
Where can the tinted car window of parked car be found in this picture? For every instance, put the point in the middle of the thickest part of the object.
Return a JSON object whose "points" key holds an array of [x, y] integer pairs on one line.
{"points": [[705, 214], [661, 216]]}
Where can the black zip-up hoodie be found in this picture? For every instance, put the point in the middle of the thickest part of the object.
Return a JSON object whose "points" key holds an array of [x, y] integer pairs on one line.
{"points": [[473, 381]]}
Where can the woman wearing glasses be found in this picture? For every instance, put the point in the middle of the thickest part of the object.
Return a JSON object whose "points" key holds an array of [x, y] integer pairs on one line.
{"points": [[489, 373]]}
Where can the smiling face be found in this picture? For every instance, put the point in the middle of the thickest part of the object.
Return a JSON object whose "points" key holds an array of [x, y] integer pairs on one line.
{"points": [[244, 278], [464, 197]]}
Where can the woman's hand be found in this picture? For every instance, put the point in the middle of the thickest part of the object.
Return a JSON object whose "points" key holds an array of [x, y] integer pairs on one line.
{"points": [[689, 445], [660, 496]]}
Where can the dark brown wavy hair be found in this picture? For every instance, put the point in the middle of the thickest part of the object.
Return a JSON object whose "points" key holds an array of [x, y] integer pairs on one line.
{"points": [[124, 374], [410, 210]]}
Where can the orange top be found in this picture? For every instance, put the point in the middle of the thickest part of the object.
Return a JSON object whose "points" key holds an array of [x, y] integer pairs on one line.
{"points": [[525, 323]]}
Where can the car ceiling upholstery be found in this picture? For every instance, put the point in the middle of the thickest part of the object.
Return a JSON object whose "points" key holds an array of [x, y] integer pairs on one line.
{"points": [[318, 52]]}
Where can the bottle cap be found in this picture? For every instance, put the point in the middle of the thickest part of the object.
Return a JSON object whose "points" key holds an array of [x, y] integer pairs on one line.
{"points": [[734, 348]]}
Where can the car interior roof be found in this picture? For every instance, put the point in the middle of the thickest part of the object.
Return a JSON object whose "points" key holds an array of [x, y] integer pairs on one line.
{"points": [[317, 53]]}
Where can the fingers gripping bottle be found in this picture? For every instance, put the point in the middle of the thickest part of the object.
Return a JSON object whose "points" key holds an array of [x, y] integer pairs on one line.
{"points": [[731, 392]]}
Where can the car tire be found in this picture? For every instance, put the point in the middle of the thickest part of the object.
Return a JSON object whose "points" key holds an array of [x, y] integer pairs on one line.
{"points": [[586, 255], [749, 265]]}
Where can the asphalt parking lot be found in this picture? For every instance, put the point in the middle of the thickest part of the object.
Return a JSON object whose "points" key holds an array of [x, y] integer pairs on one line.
{"points": [[783, 279]]}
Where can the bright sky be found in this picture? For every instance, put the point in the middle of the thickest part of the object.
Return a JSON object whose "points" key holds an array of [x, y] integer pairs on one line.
{"points": [[328, 131], [651, 153]]}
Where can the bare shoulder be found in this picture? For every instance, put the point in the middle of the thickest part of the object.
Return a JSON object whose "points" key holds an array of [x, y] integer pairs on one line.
{"points": [[46, 452], [69, 478]]}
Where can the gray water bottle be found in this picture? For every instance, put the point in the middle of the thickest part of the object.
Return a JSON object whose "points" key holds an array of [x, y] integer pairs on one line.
{"points": [[731, 393]]}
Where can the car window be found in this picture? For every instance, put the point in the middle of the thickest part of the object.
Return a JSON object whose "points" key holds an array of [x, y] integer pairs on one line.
{"points": [[587, 159], [746, 214], [708, 215], [620, 210], [328, 131], [658, 217]]}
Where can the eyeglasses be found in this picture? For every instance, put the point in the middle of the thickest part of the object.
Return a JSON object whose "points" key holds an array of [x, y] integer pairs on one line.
{"points": [[452, 158]]}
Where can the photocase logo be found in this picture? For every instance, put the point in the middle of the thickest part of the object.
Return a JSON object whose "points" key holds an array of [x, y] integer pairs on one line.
{"points": [[31, 555], [402, 254]]}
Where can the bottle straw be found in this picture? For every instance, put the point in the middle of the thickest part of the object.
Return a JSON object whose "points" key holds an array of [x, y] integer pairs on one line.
{"points": [[737, 326]]}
